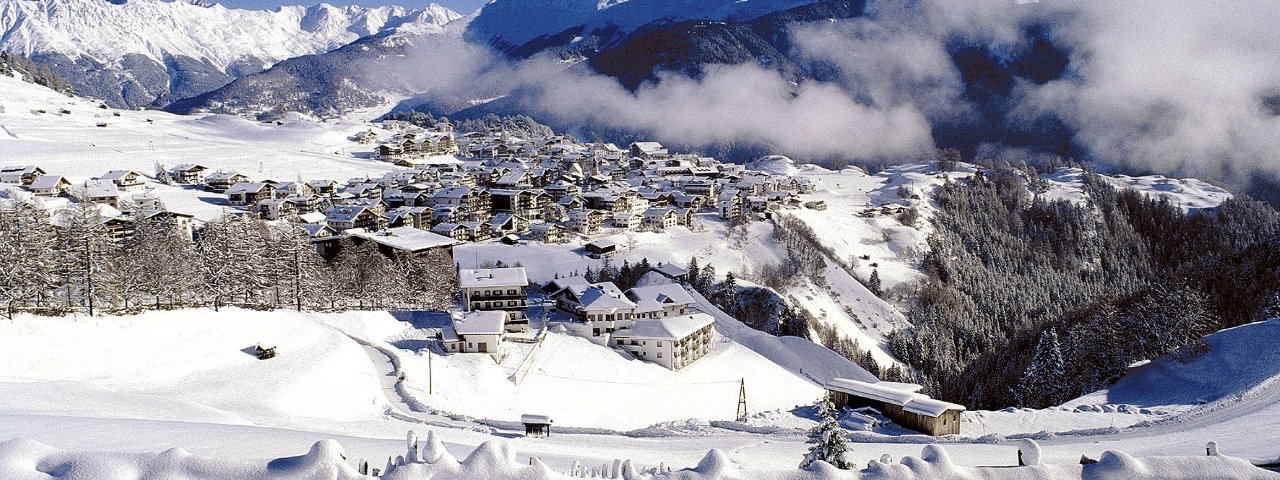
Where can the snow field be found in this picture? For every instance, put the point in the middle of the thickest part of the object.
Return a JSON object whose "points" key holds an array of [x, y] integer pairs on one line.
{"points": [[197, 358]]}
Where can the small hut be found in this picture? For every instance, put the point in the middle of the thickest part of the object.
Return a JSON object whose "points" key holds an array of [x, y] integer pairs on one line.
{"points": [[536, 425]]}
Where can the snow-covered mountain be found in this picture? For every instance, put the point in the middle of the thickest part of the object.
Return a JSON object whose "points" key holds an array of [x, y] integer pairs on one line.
{"points": [[513, 23], [141, 52]]}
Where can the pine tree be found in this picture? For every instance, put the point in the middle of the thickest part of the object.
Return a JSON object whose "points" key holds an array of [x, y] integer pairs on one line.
{"points": [[727, 293], [873, 283], [827, 438], [693, 271], [1044, 375], [706, 279]]}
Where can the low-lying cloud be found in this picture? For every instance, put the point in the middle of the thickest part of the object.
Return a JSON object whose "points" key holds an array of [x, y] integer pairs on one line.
{"points": [[1170, 86]]}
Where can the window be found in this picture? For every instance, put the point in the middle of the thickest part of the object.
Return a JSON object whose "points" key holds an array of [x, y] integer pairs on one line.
{"points": [[659, 354], [659, 343]]}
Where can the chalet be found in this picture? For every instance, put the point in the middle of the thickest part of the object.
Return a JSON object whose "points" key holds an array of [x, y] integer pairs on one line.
{"points": [[323, 187], [125, 180], [496, 289], [188, 173], [900, 403], [249, 193], [101, 191], [547, 232], [219, 182], [602, 305], [506, 224], [601, 248], [346, 217], [659, 219], [649, 151], [416, 217], [276, 209], [306, 203], [730, 206], [660, 301], [478, 231], [627, 221], [49, 185], [684, 216], [469, 202], [20, 175], [452, 230], [586, 222], [475, 332], [673, 342]]}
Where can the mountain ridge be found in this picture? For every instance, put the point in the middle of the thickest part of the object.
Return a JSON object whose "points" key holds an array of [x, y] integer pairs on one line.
{"points": [[146, 52]]}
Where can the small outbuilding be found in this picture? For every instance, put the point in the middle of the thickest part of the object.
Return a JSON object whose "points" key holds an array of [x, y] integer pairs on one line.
{"points": [[536, 425], [899, 402], [601, 248]]}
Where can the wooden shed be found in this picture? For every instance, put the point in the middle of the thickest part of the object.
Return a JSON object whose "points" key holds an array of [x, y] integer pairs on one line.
{"points": [[900, 403], [536, 425]]}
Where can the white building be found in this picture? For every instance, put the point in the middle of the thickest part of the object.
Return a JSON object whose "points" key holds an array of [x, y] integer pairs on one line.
{"points": [[602, 305], [475, 332], [672, 342], [496, 289]]}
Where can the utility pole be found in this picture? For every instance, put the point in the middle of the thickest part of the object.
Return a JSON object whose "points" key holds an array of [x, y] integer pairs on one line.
{"points": [[742, 400], [431, 375]]}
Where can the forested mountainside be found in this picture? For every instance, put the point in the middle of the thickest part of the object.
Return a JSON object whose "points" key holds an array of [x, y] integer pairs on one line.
{"points": [[1031, 302]]}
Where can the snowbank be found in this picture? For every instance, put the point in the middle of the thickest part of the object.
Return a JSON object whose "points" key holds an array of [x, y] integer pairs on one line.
{"points": [[496, 460]]}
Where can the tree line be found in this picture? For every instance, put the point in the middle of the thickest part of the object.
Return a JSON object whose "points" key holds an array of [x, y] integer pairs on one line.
{"points": [[1031, 302], [11, 63], [75, 262]]}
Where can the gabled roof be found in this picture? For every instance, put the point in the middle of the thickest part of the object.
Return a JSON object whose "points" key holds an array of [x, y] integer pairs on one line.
{"points": [[484, 322], [655, 297], [600, 296], [669, 328], [894, 393], [48, 181]]}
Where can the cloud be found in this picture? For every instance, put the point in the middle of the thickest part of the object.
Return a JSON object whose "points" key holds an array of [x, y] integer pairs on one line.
{"points": [[1178, 87]]}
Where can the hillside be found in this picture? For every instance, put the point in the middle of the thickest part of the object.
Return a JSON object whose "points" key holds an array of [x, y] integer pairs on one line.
{"points": [[149, 52]]}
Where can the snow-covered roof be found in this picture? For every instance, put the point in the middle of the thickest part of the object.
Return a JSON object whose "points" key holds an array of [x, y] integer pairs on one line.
{"points": [[47, 181], [101, 188], [408, 239], [670, 270], [535, 419], [601, 296], [655, 297], [492, 277], [669, 328], [930, 406], [901, 394], [311, 217], [484, 322]]}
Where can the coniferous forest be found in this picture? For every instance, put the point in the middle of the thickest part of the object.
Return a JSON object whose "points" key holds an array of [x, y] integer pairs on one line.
{"points": [[74, 262], [1030, 302]]}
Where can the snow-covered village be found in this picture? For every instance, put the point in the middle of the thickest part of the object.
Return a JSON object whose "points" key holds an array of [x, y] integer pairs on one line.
{"points": [[792, 239]]}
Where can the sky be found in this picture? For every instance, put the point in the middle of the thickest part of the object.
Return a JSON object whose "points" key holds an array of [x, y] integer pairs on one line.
{"points": [[461, 6]]}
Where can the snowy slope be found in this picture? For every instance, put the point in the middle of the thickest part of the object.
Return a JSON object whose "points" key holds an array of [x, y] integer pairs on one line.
{"points": [[1186, 193]]}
